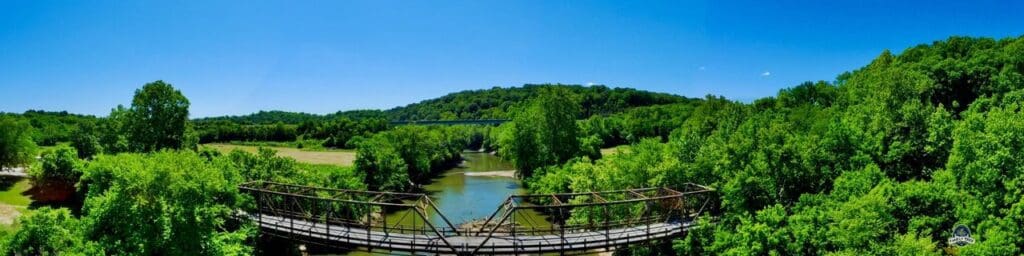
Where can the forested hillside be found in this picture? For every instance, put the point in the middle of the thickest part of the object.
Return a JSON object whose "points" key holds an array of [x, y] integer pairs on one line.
{"points": [[276, 116], [494, 103], [338, 129], [52, 127], [884, 161]]}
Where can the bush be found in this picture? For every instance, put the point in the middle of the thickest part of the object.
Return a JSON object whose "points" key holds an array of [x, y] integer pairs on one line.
{"points": [[60, 164], [50, 232], [169, 203], [87, 145], [395, 159]]}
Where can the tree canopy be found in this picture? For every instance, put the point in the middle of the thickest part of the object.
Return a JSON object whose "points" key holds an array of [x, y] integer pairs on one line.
{"points": [[883, 161], [543, 133], [171, 203], [158, 118], [16, 145]]}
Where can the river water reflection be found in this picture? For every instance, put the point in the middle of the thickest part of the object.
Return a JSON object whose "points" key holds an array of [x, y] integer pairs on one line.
{"points": [[471, 191]]}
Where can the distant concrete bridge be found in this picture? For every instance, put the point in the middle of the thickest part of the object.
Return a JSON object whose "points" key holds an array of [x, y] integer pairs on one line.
{"points": [[574, 222], [451, 122]]}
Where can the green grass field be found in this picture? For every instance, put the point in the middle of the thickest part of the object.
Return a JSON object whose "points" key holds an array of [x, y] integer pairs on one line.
{"points": [[611, 150], [12, 201], [334, 156]]}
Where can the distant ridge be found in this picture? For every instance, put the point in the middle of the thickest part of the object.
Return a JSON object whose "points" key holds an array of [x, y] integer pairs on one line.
{"points": [[493, 103]]}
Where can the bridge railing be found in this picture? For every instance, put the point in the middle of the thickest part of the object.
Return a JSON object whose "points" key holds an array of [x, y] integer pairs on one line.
{"points": [[318, 209], [610, 212], [525, 219]]}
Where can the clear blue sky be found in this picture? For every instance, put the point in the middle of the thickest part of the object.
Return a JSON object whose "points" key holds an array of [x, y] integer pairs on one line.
{"points": [[324, 56]]}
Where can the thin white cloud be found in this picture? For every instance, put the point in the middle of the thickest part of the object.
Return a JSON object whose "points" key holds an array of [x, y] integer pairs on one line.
{"points": [[702, 68], [766, 73], [590, 83]]}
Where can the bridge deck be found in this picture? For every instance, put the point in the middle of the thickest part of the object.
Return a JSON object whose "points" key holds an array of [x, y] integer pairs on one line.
{"points": [[505, 244]]}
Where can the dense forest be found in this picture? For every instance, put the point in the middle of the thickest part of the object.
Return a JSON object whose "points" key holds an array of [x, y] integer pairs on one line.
{"points": [[52, 127], [498, 102], [884, 160], [494, 103], [338, 130]]}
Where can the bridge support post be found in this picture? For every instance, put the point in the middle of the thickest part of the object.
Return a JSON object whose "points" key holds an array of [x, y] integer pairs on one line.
{"points": [[327, 221], [369, 242], [561, 232], [312, 215], [515, 249], [259, 219], [291, 227], [413, 237], [647, 222], [607, 228]]}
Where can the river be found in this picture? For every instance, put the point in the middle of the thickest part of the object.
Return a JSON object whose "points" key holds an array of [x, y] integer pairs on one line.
{"points": [[470, 191]]}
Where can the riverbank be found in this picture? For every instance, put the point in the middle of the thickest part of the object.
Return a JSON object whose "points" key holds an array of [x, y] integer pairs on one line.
{"points": [[504, 173]]}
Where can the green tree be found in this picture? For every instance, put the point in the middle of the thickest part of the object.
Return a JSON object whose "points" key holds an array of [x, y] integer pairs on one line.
{"points": [[16, 146], [158, 118], [169, 203], [396, 159], [912, 245], [113, 131], [60, 164], [49, 231], [383, 166], [264, 165], [86, 144], [885, 161], [545, 132], [764, 234]]}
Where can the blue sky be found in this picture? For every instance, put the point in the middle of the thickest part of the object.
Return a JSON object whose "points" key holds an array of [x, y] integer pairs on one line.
{"points": [[238, 57]]}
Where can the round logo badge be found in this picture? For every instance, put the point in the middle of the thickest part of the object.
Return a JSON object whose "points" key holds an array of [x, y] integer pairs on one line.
{"points": [[961, 236]]}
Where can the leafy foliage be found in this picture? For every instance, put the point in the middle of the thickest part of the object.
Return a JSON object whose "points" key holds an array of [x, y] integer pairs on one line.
{"points": [[396, 159], [267, 166], [498, 103], [343, 129], [638, 123], [51, 232], [49, 128], [86, 144], [16, 146], [884, 161], [157, 118], [59, 164], [171, 203], [544, 133]]}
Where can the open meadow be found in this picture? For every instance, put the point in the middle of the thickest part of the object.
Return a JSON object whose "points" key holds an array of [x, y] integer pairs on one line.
{"points": [[338, 157]]}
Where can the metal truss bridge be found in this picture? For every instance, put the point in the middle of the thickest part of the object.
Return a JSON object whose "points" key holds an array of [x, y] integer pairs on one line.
{"points": [[568, 223]]}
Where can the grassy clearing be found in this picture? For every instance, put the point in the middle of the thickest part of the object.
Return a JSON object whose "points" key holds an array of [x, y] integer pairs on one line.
{"points": [[13, 201], [612, 150], [50, 148], [304, 145], [334, 156]]}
